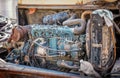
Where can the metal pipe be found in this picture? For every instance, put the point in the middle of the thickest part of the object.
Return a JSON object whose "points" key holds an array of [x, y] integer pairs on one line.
{"points": [[82, 22], [3, 36], [68, 21], [81, 29], [15, 70], [56, 18], [85, 13], [76, 30]]}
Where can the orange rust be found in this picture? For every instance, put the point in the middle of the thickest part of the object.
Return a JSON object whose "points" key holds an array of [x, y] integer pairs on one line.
{"points": [[85, 13], [31, 10], [21, 74], [18, 33]]}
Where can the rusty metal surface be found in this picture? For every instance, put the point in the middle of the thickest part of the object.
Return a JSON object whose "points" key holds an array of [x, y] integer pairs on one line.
{"points": [[18, 71], [65, 6], [12, 74], [18, 33]]}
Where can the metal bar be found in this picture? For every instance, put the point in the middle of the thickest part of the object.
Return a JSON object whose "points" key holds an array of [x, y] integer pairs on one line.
{"points": [[32, 72], [66, 6]]}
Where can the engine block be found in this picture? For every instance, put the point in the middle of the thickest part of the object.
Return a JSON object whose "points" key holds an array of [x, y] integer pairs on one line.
{"points": [[51, 43], [57, 40]]}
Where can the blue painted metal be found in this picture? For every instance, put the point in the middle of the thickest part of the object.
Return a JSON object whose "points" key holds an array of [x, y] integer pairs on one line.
{"points": [[48, 31], [51, 34], [53, 45]]}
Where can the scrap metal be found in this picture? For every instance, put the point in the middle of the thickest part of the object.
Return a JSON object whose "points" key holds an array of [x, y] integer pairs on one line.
{"points": [[73, 39]]}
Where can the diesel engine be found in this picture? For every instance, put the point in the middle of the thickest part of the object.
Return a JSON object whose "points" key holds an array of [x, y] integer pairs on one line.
{"points": [[52, 44], [62, 41]]}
